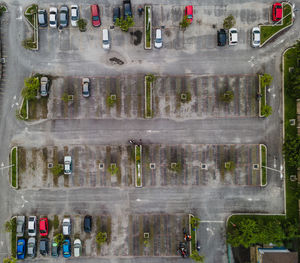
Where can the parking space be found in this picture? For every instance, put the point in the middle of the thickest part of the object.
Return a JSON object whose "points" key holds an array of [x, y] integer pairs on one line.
{"points": [[201, 34], [92, 166], [205, 92]]}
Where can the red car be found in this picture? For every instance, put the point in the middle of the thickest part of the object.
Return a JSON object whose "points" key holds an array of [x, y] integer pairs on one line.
{"points": [[276, 12], [189, 13], [44, 227], [96, 21]]}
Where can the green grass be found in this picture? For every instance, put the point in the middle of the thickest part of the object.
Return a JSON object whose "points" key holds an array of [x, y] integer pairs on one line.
{"points": [[14, 238], [193, 234], [23, 111], [148, 32], [269, 30], [138, 161], [148, 99], [263, 94], [29, 13], [264, 163], [290, 112], [14, 167]]}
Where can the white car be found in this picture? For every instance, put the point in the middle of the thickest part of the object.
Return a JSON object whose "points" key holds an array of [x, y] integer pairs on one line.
{"points": [[233, 36], [74, 15], [85, 83], [158, 39], [66, 226], [67, 165], [105, 41], [255, 37], [53, 17], [32, 226], [77, 248]]}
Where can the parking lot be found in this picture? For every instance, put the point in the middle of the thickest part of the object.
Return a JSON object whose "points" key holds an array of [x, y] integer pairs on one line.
{"points": [[130, 98], [34, 171]]}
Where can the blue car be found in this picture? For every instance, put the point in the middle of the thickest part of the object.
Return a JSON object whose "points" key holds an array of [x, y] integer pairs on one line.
{"points": [[21, 248], [66, 247]]}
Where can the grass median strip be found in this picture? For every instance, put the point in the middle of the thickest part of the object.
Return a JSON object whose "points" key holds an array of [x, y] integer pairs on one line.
{"points": [[264, 164], [14, 167], [14, 237], [148, 26], [138, 168], [268, 31]]}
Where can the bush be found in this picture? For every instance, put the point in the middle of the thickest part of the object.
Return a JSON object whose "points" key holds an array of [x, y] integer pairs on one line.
{"points": [[101, 238], [266, 80], [59, 239], [124, 24], [195, 221], [113, 169], [177, 168], [291, 150], [10, 260], [81, 23], [227, 96], [31, 89], [65, 97], [266, 110], [110, 101], [57, 170], [196, 257], [184, 23], [229, 166], [229, 22]]}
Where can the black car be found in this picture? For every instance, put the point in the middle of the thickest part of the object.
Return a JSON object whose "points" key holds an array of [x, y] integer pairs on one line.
{"points": [[44, 246], [127, 8], [116, 14], [42, 18], [221, 37], [87, 224]]}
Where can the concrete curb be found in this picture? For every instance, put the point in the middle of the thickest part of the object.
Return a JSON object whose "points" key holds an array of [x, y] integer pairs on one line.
{"points": [[260, 157], [17, 170], [145, 25], [261, 45]]}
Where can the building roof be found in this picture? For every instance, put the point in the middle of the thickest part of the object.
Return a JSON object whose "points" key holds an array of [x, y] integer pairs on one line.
{"points": [[280, 257]]}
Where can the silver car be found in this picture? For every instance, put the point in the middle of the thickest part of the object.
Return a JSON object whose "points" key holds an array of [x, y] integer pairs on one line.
{"points": [[85, 87], [66, 226], [77, 248], [31, 247], [20, 226], [44, 86]]}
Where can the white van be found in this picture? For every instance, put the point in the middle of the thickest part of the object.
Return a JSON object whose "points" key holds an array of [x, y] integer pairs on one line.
{"points": [[105, 41], [158, 40]]}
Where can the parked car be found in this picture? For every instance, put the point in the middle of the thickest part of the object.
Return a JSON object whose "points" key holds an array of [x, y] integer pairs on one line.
{"points": [[116, 14], [66, 226], [188, 12], [64, 16], [21, 244], [233, 36], [96, 21], [127, 9], [158, 39], [44, 89], [42, 17], [32, 226], [54, 249], [67, 165], [85, 84], [105, 40], [44, 227], [255, 36], [53, 17], [87, 224], [276, 12], [221, 37], [44, 246], [31, 247], [66, 247], [77, 248], [74, 15], [20, 226]]}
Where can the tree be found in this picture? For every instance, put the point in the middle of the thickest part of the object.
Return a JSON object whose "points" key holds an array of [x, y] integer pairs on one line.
{"points": [[227, 96], [101, 238], [294, 78], [150, 77], [229, 22], [8, 226], [10, 260], [291, 149], [81, 23], [124, 24], [195, 221], [57, 169], [266, 110], [266, 80], [59, 239], [184, 23], [32, 86], [195, 256]]}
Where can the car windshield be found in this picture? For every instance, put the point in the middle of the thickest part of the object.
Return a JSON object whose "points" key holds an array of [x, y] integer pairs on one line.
{"points": [[31, 231], [95, 18], [190, 16], [158, 40], [43, 231], [105, 42]]}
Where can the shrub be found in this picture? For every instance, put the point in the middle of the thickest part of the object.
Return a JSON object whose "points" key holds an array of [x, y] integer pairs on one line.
{"points": [[184, 23], [229, 22], [57, 170], [101, 238], [195, 221], [81, 23], [59, 239], [266, 80], [124, 24], [266, 110], [32, 86], [227, 96]]}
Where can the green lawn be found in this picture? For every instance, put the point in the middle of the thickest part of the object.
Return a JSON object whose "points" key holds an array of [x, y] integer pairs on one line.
{"points": [[269, 30], [290, 60], [29, 13], [264, 163], [148, 98], [148, 31], [14, 238], [14, 167]]}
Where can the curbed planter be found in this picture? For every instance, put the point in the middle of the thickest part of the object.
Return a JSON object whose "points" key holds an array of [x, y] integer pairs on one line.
{"points": [[264, 96], [148, 27], [263, 162], [14, 171], [287, 26], [22, 104], [138, 166], [195, 235], [34, 26], [148, 98]]}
